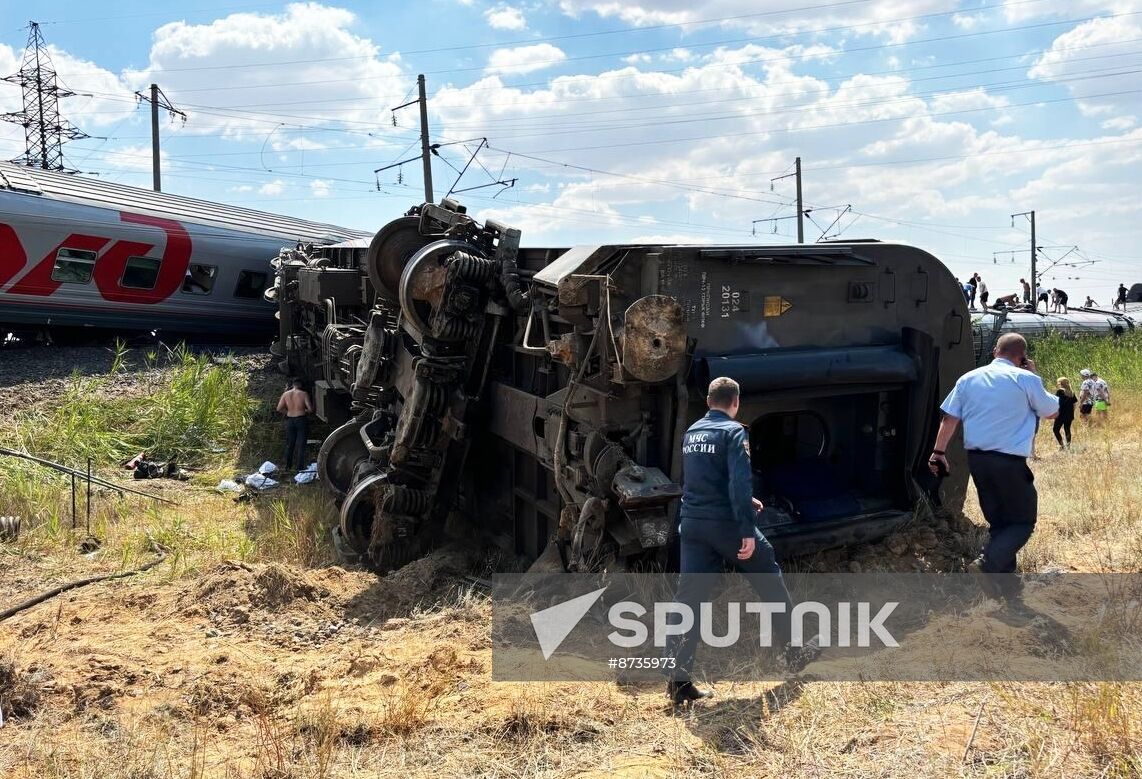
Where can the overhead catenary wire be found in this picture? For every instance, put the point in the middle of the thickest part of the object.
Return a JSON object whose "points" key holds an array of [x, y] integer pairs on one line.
{"points": [[903, 70], [783, 37]]}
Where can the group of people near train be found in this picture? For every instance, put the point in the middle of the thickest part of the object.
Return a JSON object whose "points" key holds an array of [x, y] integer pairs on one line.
{"points": [[1054, 301], [1092, 400]]}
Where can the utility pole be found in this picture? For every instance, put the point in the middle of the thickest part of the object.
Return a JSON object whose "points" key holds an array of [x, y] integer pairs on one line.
{"points": [[424, 152], [800, 207], [800, 203], [425, 147], [1034, 249], [44, 130], [158, 100]]}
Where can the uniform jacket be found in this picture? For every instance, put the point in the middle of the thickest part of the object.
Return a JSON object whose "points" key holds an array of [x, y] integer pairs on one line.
{"points": [[716, 477]]}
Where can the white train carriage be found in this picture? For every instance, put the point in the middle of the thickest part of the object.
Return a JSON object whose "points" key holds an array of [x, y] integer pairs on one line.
{"points": [[82, 253]]}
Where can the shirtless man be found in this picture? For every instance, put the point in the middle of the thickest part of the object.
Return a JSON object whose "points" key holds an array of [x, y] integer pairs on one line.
{"points": [[294, 403]]}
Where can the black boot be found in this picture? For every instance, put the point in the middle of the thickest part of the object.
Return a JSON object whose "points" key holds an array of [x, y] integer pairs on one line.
{"points": [[1012, 586], [685, 692], [796, 658], [988, 582]]}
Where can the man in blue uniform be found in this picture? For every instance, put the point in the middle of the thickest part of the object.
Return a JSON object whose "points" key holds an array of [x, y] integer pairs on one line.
{"points": [[999, 404], [716, 526]]}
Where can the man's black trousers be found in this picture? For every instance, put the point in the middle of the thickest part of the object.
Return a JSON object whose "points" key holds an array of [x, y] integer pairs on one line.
{"points": [[296, 429], [706, 547], [1009, 502]]}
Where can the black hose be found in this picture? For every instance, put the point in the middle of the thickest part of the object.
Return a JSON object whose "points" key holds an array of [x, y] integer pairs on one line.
{"points": [[162, 555]]}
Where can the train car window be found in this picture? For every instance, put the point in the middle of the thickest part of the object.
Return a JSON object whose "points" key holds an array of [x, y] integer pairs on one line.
{"points": [[199, 279], [250, 284], [141, 272], [73, 265]]}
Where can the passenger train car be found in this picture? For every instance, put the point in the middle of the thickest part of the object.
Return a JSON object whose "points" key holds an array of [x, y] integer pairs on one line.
{"points": [[81, 253], [988, 325]]}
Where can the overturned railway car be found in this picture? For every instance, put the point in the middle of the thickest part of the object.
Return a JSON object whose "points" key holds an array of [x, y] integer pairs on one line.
{"points": [[541, 394]]}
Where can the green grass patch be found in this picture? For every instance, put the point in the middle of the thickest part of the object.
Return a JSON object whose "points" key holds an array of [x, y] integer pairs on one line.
{"points": [[188, 408], [196, 412], [1118, 360]]}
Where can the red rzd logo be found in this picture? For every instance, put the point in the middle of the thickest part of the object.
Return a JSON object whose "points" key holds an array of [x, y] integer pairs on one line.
{"points": [[109, 266]]}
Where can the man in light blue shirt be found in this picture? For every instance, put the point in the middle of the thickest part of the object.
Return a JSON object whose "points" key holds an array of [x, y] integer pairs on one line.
{"points": [[999, 405]]}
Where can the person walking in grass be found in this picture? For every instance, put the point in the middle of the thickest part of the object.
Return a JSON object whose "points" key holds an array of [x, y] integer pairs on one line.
{"points": [[999, 404], [1086, 395], [1067, 402], [1100, 392]]}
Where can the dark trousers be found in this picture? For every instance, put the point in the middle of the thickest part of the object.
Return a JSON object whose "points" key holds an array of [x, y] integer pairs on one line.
{"points": [[296, 429], [706, 546], [1063, 425], [1009, 502]]}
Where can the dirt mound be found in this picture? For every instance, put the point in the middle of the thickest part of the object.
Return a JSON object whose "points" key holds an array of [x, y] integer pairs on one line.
{"points": [[421, 582], [941, 542], [20, 691], [272, 587]]}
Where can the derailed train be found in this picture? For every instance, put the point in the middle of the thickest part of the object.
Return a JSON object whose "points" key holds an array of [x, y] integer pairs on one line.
{"points": [[538, 395]]}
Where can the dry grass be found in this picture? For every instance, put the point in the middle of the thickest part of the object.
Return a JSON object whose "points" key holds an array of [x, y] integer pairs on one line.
{"points": [[129, 682]]}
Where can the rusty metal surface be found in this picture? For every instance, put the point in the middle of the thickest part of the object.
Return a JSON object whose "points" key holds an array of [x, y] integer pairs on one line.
{"points": [[390, 250], [427, 284], [654, 338]]}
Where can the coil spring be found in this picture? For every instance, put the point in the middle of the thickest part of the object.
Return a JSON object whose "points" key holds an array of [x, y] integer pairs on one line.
{"points": [[472, 268], [456, 329], [407, 500], [433, 399]]}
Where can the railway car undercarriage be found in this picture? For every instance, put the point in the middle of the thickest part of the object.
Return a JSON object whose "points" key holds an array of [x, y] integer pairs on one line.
{"points": [[533, 395]]}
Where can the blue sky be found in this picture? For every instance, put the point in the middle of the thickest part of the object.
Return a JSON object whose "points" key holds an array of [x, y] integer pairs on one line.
{"points": [[629, 120]]}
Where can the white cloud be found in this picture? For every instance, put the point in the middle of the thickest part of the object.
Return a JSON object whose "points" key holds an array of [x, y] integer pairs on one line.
{"points": [[275, 187], [320, 188], [1099, 92], [1119, 123], [137, 157], [296, 143], [881, 18], [232, 75], [966, 100], [1022, 10], [524, 59], [967, 21], [505, 17], [869, 141], [637, 59]]}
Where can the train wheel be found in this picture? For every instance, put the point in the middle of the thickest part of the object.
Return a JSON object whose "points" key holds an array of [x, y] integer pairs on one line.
{"points": [[358, 512], [339, 455], [358, 516], [390, 250]]}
